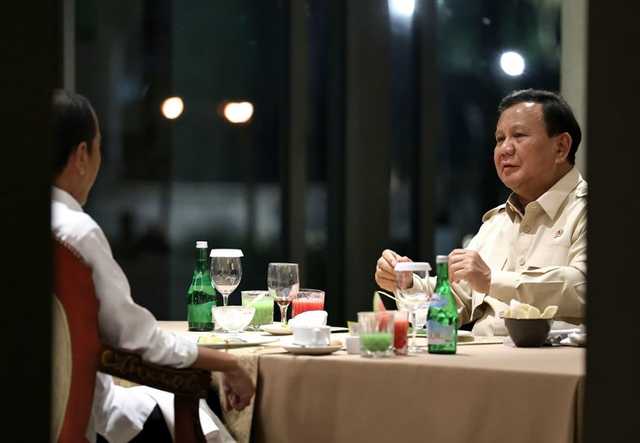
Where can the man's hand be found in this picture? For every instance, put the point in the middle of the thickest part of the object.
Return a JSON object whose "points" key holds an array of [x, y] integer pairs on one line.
{"points": [[238, 389], [237, 384], [468, 265], [385, 275]]}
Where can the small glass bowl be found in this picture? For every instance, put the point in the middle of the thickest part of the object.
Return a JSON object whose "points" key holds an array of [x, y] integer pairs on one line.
{"points": [[233, 318]]}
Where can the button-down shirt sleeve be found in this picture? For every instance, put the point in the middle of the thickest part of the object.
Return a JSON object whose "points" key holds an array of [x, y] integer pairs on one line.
{"points": [[122, 323]]}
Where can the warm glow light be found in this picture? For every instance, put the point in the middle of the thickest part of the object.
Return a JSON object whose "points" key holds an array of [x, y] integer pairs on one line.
{"points": [[512, 63], [238, 112], [403, 7], [172, 107]]}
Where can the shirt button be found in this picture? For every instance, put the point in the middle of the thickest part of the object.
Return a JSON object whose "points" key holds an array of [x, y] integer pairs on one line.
{"points": [[527, 229], [521, 262]]}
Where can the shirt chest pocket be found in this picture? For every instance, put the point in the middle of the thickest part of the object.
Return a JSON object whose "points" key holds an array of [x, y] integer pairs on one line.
{"points": [[550, 255]]}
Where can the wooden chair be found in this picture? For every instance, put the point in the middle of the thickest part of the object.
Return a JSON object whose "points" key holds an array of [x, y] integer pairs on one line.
{"points": [[78, 353]]}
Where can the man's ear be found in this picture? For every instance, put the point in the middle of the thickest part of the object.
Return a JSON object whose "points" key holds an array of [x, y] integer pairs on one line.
{"points": [[563, 146], [80, 158]]}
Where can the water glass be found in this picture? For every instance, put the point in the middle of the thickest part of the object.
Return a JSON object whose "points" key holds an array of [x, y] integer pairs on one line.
{"points": [[226, 271], [421, 318], [263, 304], [376, 334], [413, 294]]}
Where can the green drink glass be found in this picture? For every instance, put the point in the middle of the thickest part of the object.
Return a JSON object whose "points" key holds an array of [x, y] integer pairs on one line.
{"points": [[376, 334], [263, 303]]}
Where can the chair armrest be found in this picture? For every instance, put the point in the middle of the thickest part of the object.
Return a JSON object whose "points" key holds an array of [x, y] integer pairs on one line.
{"points": [[129, 366]]}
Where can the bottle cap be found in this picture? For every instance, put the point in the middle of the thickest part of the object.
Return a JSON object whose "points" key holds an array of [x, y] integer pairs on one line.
{"points": [[202, 244], [412, 266], [442, 259], [226, 253]]}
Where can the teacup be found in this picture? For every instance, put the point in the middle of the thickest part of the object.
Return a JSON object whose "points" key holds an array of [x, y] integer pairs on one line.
{"points": [[311, 335]]}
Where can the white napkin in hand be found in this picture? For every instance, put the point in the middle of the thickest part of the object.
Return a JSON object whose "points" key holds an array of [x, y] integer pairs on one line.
{"points": [[564, 332], [575, 339], [309, 318]]}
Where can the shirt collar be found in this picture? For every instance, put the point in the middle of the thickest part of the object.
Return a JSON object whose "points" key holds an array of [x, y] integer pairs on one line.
{"points": [[64, 197], [551, 200]]}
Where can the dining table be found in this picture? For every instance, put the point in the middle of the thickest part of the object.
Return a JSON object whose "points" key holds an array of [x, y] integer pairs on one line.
{"points": [[487, 392]]}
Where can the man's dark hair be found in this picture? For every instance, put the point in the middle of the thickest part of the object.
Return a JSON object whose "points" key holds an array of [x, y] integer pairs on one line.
{"points": [[557, 114], [73, 123]]}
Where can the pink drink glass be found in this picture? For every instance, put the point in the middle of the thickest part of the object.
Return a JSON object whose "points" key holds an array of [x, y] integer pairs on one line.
{"points": [[308, 300]]}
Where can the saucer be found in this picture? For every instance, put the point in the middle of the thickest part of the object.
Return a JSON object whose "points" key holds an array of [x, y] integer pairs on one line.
{"points": [[245, 340], [277, 329], [311, 350]]}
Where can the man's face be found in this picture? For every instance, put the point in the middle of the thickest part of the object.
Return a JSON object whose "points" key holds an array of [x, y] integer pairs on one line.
{"points": [[526, 158], [93, 163]]}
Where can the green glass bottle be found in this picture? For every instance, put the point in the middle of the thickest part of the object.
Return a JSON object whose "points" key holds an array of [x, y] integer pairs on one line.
{"points": [[202, 295], [442, 318]]}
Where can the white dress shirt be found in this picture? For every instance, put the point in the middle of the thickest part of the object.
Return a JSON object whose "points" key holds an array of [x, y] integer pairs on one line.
{"points": [[118, 413]]}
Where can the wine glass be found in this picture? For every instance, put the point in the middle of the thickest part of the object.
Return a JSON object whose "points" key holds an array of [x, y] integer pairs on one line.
{"points": [[413, 294], [226, 271], [283, 281]]}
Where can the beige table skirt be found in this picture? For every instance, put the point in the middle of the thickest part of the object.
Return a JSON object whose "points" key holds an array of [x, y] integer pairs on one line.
{"points": [[489, 393]]}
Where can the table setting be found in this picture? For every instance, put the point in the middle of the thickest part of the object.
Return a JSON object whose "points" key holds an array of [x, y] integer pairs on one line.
{"points": [[376, 348]]}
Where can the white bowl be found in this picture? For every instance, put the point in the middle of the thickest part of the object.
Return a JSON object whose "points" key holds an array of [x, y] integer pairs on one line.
{"points": [[233, 318]]}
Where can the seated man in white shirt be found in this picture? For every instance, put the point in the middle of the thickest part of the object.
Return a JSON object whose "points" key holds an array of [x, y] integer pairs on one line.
{"points": [[119, 414], [533, 248]]}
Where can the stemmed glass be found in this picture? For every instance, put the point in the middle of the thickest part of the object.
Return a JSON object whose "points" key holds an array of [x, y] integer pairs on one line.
{"points": [[283, 281], [413, 294], [226, 271]]}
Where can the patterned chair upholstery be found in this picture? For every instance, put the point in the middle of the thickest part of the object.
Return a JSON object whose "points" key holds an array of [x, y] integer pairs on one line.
{"points": [[78, 354]]}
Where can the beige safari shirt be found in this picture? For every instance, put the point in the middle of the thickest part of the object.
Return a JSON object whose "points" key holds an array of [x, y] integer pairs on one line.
{"points": [[539, 258]]}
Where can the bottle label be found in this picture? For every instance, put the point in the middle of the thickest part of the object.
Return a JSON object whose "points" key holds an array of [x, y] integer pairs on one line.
{"points": [[438, 334], [438, 301], [200, 313]]}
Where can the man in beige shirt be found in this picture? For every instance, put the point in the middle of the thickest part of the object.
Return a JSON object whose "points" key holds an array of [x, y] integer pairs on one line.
{"points": [[534, 247]]}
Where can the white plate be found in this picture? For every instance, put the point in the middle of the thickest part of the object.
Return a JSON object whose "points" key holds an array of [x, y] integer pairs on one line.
{"points": [[249, 341], [464, 333], [277, 329], [312, 350]]}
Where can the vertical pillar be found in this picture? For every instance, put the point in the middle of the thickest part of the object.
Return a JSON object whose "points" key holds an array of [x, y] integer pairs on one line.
{"points": [[368, 139], [573, 69], [613, 386], [30, 50], [294, 157], [424, 198]]}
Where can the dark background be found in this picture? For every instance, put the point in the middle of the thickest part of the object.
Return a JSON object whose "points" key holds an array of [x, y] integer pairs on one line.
{"points": [[164, 184], [30, 50]]}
